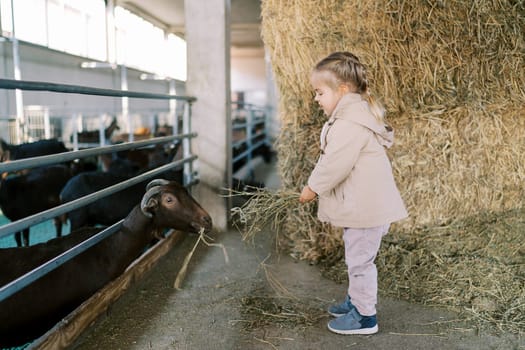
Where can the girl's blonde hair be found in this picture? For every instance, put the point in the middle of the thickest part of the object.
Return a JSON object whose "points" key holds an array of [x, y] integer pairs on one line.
{"points": [[346, 69]]}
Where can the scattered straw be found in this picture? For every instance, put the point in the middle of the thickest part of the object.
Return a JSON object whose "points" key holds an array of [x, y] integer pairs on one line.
{"points": [[275, 284], [421, 334], [264, 309], [266, 342], [181, 275]]}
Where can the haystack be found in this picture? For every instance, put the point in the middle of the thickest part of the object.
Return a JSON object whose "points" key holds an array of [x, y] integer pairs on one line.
{"points": [[452, 77]]}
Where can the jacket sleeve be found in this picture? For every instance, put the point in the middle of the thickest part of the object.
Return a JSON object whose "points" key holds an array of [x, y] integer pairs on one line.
{"points": [[344, 142]]}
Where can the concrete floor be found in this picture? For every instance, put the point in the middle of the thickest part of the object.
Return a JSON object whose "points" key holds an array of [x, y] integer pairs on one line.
{"points": [[262, 300]]}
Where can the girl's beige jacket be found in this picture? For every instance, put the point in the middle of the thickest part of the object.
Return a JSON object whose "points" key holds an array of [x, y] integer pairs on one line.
{"points": [[353, 176]]}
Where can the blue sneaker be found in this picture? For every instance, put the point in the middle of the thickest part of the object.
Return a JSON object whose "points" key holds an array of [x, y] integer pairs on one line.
{"points": [[354, 323], [341, 309]]}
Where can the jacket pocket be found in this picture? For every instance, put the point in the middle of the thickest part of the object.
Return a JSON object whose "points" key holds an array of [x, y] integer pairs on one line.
{"points": [[348, 197], [338, 194]]}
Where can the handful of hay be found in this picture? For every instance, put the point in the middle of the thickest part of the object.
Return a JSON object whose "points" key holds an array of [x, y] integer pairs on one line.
{"points": [[267, 208], [302, 234]]}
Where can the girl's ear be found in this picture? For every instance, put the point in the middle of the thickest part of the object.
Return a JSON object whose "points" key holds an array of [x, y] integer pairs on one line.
{"points": [[346, 88]]}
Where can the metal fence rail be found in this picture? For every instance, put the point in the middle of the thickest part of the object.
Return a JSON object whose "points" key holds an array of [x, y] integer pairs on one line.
{"points": [[186, 161], [34, 162], [85, 90], [21, 224]]}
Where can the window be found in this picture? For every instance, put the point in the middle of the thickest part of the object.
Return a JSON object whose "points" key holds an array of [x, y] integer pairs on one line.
{"points": [[30, 25], [5, 17], [142, 45], [175, 58], [74, 26], [79, 27]]}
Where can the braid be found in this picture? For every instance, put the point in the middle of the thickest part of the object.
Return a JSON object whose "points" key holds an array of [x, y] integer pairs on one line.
{"points": [[350, 71]]}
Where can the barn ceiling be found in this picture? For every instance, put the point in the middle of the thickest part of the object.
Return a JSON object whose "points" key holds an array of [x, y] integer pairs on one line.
{"points": [[169, 15]]}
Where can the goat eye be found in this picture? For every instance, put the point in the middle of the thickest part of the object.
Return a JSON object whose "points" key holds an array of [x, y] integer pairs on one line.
{"points": [[170, 199]]}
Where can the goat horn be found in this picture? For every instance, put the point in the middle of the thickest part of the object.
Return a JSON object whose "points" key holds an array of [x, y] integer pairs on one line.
{"points": [[151, 192], [156, 182]]}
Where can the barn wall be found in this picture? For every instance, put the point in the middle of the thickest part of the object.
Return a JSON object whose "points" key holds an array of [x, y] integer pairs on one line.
{"points": [[42, 64], [248, 74]]}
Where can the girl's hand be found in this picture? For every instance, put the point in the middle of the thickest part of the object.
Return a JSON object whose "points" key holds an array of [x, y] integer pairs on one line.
{"points": [[307, 195]]}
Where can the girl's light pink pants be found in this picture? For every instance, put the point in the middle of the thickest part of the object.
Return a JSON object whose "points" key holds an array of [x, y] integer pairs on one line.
{"points": [[361, 247]]}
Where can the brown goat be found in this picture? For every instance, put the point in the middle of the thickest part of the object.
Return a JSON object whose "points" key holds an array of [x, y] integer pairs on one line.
{"points": [[93, 136], [33, 310]]}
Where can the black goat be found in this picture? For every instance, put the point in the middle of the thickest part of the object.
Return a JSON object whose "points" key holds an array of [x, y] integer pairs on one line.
{"points": [[33, 310], [110, 209], [115, 207], [151, 157], [16, 200], [32, 149], [30, 193]]}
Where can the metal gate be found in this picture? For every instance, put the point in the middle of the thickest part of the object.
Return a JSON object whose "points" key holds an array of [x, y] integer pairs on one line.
{"points": [[190, 177]]}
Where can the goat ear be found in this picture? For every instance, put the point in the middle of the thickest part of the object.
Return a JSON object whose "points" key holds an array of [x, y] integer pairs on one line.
{"points": [[149, 202], [152, 205]]}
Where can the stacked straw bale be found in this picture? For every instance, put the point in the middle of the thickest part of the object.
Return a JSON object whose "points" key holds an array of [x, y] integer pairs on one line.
{"points": [[452, 77]]}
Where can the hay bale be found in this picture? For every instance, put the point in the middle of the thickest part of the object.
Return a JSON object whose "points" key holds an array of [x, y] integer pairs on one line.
{"points": [[421, 55], [475, 265], [454, 164], [451, 76]]}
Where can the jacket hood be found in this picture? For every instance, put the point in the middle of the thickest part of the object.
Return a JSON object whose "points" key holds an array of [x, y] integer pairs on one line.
{"points": [[354, 108]]}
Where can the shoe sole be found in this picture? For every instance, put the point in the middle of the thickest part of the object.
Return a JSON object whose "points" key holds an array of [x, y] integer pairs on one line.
{"points": [[362, 331]]}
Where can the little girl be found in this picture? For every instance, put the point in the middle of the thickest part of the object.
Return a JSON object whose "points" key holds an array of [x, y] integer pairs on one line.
{"points": [[354, 182]]}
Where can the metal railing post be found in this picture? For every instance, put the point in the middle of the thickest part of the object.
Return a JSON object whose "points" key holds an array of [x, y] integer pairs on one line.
{"points": [[76, 117], [186, 144], [20, 118], [101, 133], [125, 101], [249, 141], [173, 107]]}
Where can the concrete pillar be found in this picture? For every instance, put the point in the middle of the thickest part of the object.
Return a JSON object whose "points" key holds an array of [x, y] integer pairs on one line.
{"points": [[208, 79]]}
